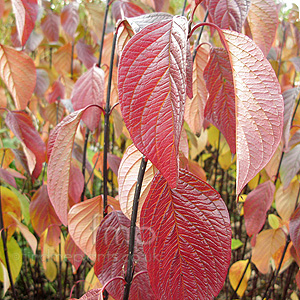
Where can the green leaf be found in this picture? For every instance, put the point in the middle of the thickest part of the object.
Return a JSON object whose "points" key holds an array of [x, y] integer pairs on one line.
{"points": [[235, 244]]}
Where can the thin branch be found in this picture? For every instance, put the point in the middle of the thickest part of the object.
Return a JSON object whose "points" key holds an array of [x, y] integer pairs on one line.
{"points": [[103, 32]]}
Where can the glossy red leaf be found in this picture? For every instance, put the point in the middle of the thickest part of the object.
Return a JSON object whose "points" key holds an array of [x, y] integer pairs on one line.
{"points": [[259, 107], [60, 147], [125, 8], [228, 14], [155, 58], [187, 236], [73, 253], [70, 18], [256, 206], [42, 214], [89, 89], [26, 12], [290, 166], [50, 26], [42, 82], [112, 251], [289, 98], [17, 70], [85, 54], [57, 92], [220, 106], [22, 127], [295, 229], [263, 22], [194, 108]]}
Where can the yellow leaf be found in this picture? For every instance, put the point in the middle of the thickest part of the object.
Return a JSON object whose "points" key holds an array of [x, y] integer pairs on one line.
{"points": [[274, 221], [51, 270], [235, 274], [91, 281], [253, 183]]}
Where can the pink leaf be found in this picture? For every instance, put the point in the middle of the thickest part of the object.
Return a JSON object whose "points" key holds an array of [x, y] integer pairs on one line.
{"points": [[26, 13], [113, 162], [89, 89], [17, 70], [70, 18], [187, 235], [295, 229], [50, 26], [257, 205], [21, 125], [57, 92], [76, 183], [220, 106], [85, 53], [113, 237], [42, 82], [228, 14], [259, 107], [74, 253], [263, 22], [125, 8], [7, 177], [155, 58], [91, 295]]}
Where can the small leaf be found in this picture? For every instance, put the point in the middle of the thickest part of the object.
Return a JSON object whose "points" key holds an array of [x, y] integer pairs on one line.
{"points": [[42, 82], [85, 54], [57, 92], [21, 125], [17, 70], [236, 272], [124, 8], [70, 18], [187, 238], [89, 89], [26, 12], [95, 16], [73, 253], [113, 237], [228, 14], [263, 22], [156, 131], [259, 107], [62, 59], [4, 277], [76, 184], [51, 270], [295, 229], [236, 244], [220, 107], [50, 26], [256, 206]]}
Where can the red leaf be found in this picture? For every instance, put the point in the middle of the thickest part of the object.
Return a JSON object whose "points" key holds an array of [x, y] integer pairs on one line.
{"points": [[26, 12], [89, 89], [228, 14], [113, 237], [289, 97], [257, 205], [17, 70], [57, 92], [124, 8], [50, 26], [188, 246], [7, 177], [74, 254], [91, 295], [156, 58], [220, 106], [263, 22], [41, 211], [114, 162], [60, 147], [21, 125], [259, 107], [70, 18], [85, 53]]}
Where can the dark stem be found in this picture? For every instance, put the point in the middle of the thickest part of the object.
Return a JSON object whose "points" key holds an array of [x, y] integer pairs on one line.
{"points": [[183, 9], [129, 272], [103, 33], [86, 138], [50, 59], [72, 59], [106, 126], [199, 36], [288, 280], [59, 273], [66, 279], [240, 282], [217, 158], [273, 278]]}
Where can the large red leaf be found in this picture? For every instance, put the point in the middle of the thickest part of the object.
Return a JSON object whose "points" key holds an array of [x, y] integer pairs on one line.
{"points": [[85, 53], [187, 236], [151, 83], [125, 8], [263, 21], [295, 229], [220, 106], [17, 70], [21, 125], [228, 14], [257, 205], [50, 26], [70, 18], [26, 12], [42, 214], [89, 89], [259, 107], [112, 250], [194, 108], [60, 147]]}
